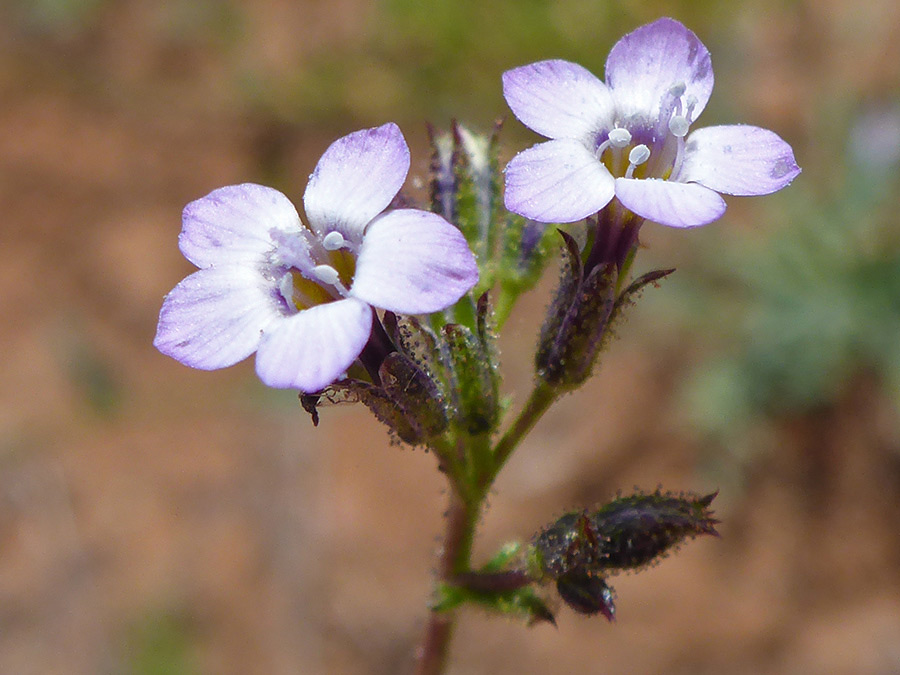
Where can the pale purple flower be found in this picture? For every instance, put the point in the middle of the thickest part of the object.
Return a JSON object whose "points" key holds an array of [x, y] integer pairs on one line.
{"points": [[628, 138], [302, 297]]}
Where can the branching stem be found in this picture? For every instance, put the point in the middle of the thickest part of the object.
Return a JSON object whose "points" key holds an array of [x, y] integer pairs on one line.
{"points": [[462, 518]]}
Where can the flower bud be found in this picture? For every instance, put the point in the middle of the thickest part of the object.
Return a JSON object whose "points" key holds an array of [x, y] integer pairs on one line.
{"points": [[573, 331], [465, 184], [581, 548], [524, 249], [640, 529], [568, 544], [587, 593], [419, 343], [414, 392], [473, 380]]}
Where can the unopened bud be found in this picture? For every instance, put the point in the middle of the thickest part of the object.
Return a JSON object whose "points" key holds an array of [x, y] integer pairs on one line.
{"points": [[572, 334], [414, 392], [582, 548], [474, 386], [587, 593], [465, 183], [640, 529]]}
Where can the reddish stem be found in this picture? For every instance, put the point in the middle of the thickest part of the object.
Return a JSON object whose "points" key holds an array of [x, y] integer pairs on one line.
{"points": [[431, 656]]}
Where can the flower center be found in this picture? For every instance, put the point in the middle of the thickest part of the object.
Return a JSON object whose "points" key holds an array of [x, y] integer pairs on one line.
{"points": [[314, 270], [641, 152]]}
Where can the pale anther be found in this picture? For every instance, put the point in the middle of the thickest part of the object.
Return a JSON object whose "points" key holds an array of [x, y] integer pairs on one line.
{"points": [[619, 138], [333, 241], [326, 274], [679, 125], [677, 90], [639, 154]]}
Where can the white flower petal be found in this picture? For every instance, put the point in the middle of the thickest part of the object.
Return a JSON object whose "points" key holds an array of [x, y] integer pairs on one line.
{"points": [[644, 65], [413, 262], [232, 224], [355, 180], [559, 99], [558, 181], [312, 349], [738, 160], [670, 203], [214, 317]]}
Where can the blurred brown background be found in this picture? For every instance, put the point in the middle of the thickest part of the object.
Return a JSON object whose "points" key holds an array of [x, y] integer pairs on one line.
{"points": [[159, 520]]}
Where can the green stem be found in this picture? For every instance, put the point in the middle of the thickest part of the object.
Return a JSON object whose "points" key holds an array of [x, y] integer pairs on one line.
{"points": [[462, 517], [503, 305]]}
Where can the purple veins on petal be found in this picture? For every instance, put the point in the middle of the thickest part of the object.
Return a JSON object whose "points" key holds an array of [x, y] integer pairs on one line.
{"points": [[669, 203], [355, 180], [225, 226], [313, 348], [644, 65], [413, 262], [559, 181], [214, 317], [739, 160], [558, 99]]}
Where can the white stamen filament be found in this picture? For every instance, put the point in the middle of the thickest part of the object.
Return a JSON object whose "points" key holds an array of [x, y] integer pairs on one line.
{"points": [[617, 138], [286, 288], [689, 112], [680, 146], [680, 124], [679, 159], [598, 153], [638, 155]]}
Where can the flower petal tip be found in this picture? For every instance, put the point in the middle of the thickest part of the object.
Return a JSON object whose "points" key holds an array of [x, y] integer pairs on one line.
{"points": [[356, 179]]}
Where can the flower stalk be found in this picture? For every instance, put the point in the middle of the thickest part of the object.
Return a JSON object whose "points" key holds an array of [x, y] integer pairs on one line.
{"points": [[456, 550]]}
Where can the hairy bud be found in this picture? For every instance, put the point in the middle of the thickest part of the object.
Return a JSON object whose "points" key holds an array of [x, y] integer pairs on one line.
{"points": [[587, 593], [474, 384], [640, 529], [582, 548], [572, 334]]}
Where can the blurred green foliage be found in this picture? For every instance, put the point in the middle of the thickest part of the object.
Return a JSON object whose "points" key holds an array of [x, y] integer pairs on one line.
{"points": [[442, 59], [56, 16], [160, 644], [404, 60], [814, 304]]}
